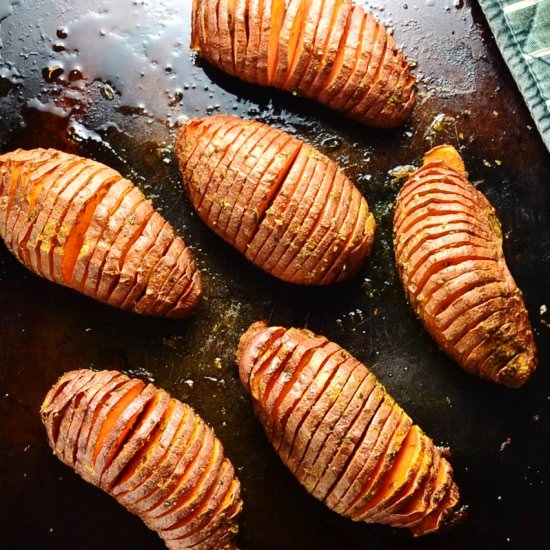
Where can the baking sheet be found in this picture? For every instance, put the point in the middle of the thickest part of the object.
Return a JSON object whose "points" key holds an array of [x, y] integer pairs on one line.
{"points": [[111, 80]]}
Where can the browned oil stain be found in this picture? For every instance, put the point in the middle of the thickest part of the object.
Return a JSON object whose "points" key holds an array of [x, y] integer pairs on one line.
{"points": [[112, 80]]}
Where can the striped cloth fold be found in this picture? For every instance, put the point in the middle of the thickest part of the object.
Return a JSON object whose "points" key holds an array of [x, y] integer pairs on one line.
{"points": [[522, 32]]}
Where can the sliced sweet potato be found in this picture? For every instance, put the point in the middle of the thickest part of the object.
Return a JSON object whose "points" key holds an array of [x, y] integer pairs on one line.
{"points": [[303, 413], [150, 452], [352, 91], [42, 226], [412, 489], [134, 257], [57, 399], [338, 29], [246, 162], [448, 248], [107, 208], [219, 183], [400, 475], [309, 224], [339, 444], [345, 62], [362, 502], [280, 202], [327, 8], [191, 490], [240, 36], [289, 36], [304, 44], [140, 435], [260, 194], [206, 516], [316, 421], [199, 439], [340, 433], [315, 48], [350, 382], [83, 397], [415, 509], [374, 445], [225, 36], [75, 221], [280, 212], [153, 466]]}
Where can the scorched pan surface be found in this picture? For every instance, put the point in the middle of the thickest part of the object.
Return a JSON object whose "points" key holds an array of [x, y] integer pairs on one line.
{"points": [[111, 80]]}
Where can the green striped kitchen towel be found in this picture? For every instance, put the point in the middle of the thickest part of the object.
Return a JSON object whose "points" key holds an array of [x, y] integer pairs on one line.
{"points": [[522, 32]]}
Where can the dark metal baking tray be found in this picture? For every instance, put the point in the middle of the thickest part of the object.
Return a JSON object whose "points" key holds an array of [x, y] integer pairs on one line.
{"points": [[111, 80]]}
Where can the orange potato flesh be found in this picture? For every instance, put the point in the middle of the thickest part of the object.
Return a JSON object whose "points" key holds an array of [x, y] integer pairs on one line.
{"points": [[315, 420], [277, 18], [210, 513], [373, 464], [132, 474], [181, 487], [413, 489], [374, 470], [74, 241], [338, 30], [162, 461], [345, 62], [140, 435], [448, 155], [99, 224], [67, 219], [112, 417], [108, 426], [416, 508], [404, 466]]}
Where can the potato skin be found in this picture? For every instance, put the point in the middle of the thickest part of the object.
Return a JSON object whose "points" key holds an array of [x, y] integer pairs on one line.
{"points": [[342, 435], [79, 223], [448, 249], [281, 203], [316, 53], [112, 430]]}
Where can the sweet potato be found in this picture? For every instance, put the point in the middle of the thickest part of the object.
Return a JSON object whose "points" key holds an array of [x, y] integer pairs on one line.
{"points": [[278, 201], [149, 451], [327, 50], [77, 222], [342, 435], [448, 249]]}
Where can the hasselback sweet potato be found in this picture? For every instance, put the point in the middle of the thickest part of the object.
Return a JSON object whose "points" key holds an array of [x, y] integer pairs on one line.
{"points": [[277, 200], [149, 451], [331, 51], [448, 249], [342, 435], [79, 223]]}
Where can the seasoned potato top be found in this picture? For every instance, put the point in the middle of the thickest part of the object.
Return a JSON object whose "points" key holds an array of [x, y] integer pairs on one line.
{"points": [[277, 200]]}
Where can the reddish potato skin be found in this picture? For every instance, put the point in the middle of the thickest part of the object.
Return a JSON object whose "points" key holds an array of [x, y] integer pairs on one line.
{"points": [[290, 210], [298, 58], [128, 418], [448, 250], [360, 463], [77, 222]]}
